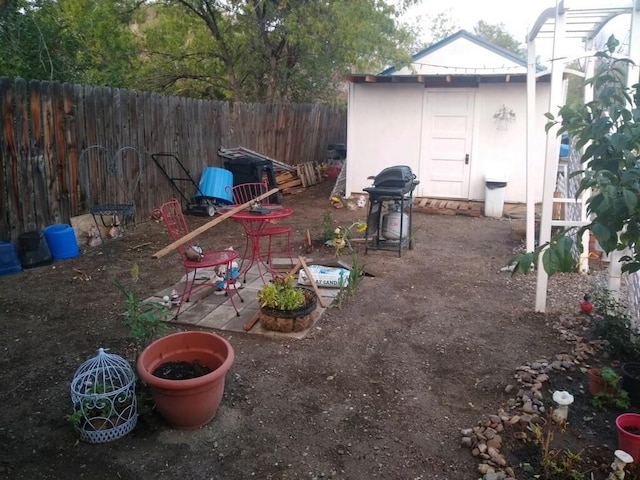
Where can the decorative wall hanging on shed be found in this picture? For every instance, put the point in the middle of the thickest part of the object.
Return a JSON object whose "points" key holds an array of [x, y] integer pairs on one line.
{"points": [[503, 117]]}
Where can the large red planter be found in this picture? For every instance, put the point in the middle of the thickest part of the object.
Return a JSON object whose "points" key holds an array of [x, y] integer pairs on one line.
{"points": [[191, 403], [629, 441]]}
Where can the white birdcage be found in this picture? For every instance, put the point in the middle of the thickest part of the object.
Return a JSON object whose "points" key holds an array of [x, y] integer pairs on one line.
{"points": [[103, 393]]}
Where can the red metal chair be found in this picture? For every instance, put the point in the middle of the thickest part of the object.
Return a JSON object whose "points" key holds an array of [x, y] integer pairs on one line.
{"points": [[171, 213], [246, 192]]}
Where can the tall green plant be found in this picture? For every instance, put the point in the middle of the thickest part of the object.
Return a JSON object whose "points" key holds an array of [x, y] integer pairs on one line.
{"points": [[608, 129], [146, 320]]}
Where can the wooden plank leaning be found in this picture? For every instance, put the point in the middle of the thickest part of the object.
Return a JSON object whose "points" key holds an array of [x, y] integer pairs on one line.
{"points": [[212, 223], [312, 281]]}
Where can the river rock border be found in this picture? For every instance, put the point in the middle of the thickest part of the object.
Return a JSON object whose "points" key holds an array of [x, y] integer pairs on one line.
{"points": [[526, 406]]}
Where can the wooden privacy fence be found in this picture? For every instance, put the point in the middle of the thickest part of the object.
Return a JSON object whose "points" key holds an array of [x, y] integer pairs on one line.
{"points": [[64, 146]]}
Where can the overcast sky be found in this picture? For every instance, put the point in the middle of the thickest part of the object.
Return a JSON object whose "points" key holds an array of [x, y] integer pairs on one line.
{"points": [[518, 16]]}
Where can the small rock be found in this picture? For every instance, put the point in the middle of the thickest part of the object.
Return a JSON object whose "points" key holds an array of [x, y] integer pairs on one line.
{"points": [[467, 442], [528, 407], [483, 468], [494, 443], [492, 452]]}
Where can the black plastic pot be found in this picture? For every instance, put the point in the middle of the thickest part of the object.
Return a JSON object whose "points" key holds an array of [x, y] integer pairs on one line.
{"points": [[631, 381]]}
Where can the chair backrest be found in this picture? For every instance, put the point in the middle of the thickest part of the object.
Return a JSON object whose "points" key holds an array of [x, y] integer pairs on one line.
{"points": [[171, 213], [246, 192]]}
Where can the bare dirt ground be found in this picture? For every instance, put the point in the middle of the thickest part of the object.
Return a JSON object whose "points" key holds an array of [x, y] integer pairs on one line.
{"points": [[379, 389]]}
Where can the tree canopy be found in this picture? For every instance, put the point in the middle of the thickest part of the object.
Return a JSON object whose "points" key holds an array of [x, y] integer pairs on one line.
{"points": [[67, 40], [242, 50], [498, 35]]}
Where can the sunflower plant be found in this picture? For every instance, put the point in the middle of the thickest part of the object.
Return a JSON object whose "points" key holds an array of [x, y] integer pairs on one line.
{"points": [[342, 236]]}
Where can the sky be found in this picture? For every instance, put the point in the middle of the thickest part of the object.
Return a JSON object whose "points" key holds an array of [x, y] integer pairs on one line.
{"points": [[518, 16]]}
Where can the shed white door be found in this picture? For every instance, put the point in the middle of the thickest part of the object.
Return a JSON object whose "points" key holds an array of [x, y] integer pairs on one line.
{"points": [[446, 144]]}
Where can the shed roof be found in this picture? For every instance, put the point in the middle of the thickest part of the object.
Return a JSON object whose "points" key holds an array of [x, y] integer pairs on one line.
{"points": [[460, 60], [507, 55]]}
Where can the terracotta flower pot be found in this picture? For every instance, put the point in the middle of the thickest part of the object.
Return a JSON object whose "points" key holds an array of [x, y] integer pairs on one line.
{"points": [[596, 382], [628, 426], [189, 403]]}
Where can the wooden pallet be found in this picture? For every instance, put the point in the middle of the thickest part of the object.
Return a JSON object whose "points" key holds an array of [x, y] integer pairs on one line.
{"points": [[308, 173], [448, 207]]}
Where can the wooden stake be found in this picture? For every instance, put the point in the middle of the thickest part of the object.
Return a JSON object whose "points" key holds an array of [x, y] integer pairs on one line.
{"points": [[250, 324], [212, 223], [312, 281]]}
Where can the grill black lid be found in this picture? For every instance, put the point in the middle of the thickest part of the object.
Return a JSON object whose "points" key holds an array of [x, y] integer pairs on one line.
{"points": [[399, 176]]}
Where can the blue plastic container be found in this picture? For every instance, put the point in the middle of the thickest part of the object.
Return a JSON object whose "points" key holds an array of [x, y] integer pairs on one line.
{"points": [[62, 241], [9, 262], [216, 183]]}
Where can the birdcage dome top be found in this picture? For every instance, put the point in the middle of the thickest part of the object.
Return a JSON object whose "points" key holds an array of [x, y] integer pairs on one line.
{"points": [[104, 373]]}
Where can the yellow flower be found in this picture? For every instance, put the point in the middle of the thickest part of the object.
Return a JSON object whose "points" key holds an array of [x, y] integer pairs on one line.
{"points": [[360, 227]]}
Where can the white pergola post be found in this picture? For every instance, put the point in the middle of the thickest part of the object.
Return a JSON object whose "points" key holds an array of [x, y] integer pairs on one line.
{"points": [[531, 129], [584, 20], [552, 152]]}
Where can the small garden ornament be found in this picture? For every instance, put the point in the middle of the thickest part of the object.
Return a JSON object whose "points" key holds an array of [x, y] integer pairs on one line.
{"points": [[563, 399], [620, 461]]}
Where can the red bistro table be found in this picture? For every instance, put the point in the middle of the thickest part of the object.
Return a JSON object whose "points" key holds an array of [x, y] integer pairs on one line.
{"points": [[255, 225]]}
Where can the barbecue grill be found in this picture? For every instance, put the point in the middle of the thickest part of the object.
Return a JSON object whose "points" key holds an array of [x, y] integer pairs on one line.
{"points": [[392, 191]]}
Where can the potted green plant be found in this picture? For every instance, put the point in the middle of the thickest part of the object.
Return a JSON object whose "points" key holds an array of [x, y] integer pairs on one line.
{"points": [[285, 307], [104, 398], [608, 392]]}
